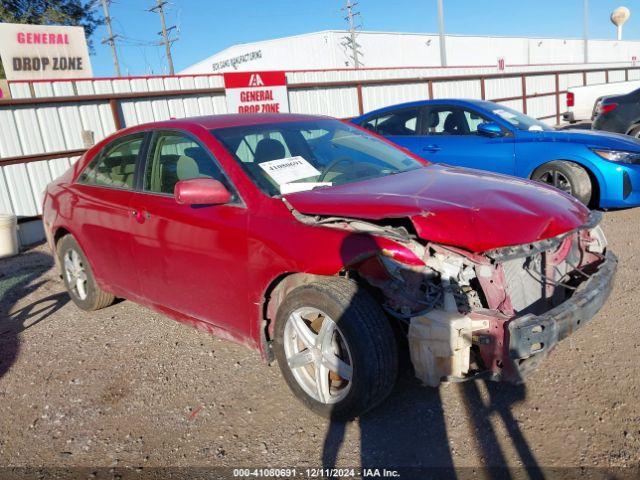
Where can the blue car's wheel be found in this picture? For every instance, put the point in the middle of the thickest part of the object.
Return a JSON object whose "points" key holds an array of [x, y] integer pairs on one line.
{"points": [[566, 176]]}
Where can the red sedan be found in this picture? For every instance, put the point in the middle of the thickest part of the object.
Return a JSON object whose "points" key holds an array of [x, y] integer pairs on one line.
{"points": [[330, 250]]}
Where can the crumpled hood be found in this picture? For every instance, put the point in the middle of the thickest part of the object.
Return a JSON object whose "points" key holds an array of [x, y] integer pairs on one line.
{"points": [[596, 138], [471, 209]]}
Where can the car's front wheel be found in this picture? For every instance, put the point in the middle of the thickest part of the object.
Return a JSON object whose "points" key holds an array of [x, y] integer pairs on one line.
{"points": [[78, 277], [335, 348], [568, 177]]}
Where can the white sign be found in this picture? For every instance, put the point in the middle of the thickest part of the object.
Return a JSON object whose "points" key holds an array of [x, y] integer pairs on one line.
{"points": [[287, 170], [37, 52], [256, 92]]}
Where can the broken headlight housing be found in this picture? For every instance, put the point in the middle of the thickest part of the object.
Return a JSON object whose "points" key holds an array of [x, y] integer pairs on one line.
{"points": [[598, 242]]}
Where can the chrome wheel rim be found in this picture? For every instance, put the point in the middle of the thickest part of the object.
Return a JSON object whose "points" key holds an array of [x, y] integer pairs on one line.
{"points": [[76, 274], [318, 355], [558, 180]]}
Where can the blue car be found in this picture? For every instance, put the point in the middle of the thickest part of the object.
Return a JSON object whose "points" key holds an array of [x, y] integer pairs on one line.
{"points": [[600, 169]]}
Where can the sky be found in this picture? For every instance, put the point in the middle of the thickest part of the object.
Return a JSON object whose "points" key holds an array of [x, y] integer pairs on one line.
{"points": [[205, 27]]}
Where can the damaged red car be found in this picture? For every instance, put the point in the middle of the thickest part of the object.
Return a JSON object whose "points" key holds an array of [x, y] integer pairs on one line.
{"points": [[329, 249]]}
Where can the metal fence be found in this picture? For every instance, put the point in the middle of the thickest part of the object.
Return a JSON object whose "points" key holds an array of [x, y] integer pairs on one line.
{"points": [[41, 127]]}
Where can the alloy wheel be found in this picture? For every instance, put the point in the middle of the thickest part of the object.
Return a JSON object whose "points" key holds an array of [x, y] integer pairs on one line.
{"points": [[318, 355], [557, 179], [76, 274]]}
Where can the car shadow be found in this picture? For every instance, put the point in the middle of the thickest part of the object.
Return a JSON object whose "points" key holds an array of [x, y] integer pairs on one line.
{"points": [[19, 278], [408, 431]]}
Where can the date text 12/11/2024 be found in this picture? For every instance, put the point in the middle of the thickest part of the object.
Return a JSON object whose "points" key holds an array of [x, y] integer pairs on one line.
{"points": [[315, 473]]}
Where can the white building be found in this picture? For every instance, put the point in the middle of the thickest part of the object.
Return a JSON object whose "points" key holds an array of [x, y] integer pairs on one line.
{"points": [[328, 49]]}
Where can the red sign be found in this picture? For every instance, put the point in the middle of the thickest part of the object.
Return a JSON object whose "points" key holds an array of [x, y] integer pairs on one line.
{"points": [[256, 92], [501, 64]]}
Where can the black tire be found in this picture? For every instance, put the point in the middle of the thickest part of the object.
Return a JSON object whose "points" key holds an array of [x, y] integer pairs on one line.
{"points": [[367, 333], [634, 132], [96, 298], [571, 178]]}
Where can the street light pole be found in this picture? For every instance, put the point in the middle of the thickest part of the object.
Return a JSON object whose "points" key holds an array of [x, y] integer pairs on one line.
{"points": [[111, 39], [586, 30], [443, 47]]}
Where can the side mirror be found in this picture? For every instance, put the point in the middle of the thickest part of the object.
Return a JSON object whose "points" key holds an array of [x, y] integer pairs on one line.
{"points": [[201, 191], [490, 129]]}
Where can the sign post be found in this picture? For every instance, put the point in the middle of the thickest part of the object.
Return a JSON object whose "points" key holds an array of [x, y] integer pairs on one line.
{"points": [[5, 93], [38, 52], [256, 92]]}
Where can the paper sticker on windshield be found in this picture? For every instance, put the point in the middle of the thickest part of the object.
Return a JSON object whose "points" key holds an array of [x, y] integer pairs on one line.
{"points": [[287, 170]]}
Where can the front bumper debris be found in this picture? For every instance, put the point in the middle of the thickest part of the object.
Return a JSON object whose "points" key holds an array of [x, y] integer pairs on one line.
{"points": [[532, 337]]}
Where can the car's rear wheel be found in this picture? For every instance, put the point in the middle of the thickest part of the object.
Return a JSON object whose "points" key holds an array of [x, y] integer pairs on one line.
{"points": [[78, 277], [335, 348], [566, 176]]}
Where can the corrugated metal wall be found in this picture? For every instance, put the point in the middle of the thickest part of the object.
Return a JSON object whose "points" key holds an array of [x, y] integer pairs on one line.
{"points": [[54, 127]]}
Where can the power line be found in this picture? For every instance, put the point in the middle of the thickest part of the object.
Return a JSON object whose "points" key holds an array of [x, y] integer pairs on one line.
{"points": [[165, 33], [111, 39], [350, 41]]}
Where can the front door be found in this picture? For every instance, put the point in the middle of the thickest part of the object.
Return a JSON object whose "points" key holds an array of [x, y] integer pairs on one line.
{"points": [[190, 259], [451, 137]]}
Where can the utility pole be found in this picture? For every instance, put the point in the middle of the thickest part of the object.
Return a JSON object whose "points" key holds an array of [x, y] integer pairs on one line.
{"points": [[351, 39], [166, 41], [111, 39], [585, 32], [443, 47]]}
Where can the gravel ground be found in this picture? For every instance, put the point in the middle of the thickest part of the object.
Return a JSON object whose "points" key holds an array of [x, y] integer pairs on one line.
{"points": [[126, 386]]}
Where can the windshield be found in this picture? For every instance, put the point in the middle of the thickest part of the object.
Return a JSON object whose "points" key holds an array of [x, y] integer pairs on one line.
{"points": [[290, 157], [520, 120]]}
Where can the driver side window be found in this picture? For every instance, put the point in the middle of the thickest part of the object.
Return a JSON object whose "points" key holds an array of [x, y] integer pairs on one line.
{"points": [[450, 120], [173, 157]]}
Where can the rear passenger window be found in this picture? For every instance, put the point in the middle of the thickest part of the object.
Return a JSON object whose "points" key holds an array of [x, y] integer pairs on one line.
{"points": [[115, 166], [174, 157], [398, 123]]}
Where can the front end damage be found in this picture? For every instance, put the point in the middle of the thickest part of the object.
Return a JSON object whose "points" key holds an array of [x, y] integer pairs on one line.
{"points": [[496, 313]]}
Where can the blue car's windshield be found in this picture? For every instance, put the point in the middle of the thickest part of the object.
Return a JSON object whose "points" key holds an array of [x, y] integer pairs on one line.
{"points": [[519, 120], [294, 156]]}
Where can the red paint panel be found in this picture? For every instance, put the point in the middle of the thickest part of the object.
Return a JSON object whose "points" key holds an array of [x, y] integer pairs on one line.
{"points": [[254, 79], [474, 210]]}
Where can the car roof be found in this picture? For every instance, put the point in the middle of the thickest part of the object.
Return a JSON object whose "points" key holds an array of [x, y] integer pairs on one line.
{"points": [[212, 122], [440, 101]]}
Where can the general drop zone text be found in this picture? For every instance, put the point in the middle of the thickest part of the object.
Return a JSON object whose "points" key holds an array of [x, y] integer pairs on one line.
{"points": [[36, 64]]}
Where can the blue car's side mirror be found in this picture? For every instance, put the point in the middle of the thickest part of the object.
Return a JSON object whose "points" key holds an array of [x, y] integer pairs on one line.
{"points": [[490, 129]]}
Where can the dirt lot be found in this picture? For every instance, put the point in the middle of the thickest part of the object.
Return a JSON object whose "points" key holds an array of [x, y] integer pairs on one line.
{"points": [[126, 386]]}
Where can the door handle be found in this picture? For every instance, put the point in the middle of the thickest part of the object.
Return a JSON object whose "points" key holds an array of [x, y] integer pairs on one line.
{"points": [[431, 148], [140, 216]]}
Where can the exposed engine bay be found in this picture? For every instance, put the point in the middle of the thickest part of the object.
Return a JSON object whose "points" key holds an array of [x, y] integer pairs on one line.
{"points": [[468, 314]]}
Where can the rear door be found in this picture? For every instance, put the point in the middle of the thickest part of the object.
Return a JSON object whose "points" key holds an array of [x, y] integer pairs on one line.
{"points": [[103, 193], [402, 126], [190, 259], [451, 137]]}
